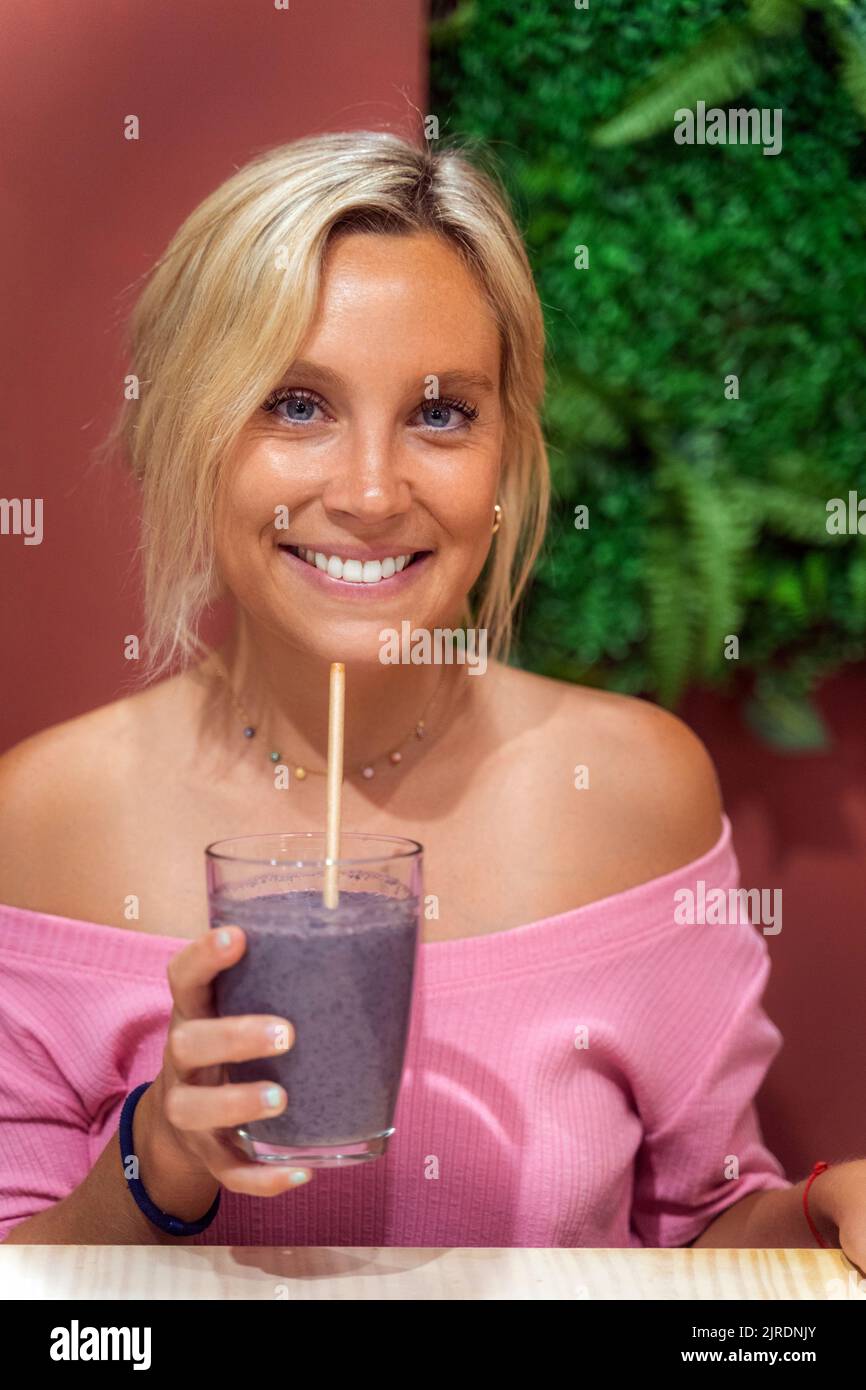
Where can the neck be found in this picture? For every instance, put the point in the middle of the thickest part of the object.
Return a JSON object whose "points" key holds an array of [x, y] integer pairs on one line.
{"points": [[284, 691]]}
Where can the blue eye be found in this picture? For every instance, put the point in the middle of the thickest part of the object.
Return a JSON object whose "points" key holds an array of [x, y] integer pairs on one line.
{"points": [[301, 404], [298, 409], [443, 410]]}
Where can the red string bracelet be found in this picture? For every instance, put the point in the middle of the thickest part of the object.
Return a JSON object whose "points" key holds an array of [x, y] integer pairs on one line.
{"points": [[819, 1168]]}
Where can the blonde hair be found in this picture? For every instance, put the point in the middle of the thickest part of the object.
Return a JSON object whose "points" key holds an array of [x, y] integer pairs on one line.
{"points": [[226, 309]]}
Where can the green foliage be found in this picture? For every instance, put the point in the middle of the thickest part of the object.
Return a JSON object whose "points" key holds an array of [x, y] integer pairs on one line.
{"points": [[846, 22], [707, 513], [726, 63]]}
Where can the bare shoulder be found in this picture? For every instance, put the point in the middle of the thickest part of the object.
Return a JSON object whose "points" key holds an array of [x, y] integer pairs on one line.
{"points": [[648, 782], [62, 792]]}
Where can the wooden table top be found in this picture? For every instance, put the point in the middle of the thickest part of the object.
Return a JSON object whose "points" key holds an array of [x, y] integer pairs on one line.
{"points": [[397, 1272]]}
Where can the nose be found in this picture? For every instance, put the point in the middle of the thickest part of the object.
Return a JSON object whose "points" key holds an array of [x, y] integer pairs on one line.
{"points": [[370, 481]]}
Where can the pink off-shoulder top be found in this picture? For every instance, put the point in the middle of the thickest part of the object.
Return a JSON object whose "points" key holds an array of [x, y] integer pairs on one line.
{"points": [[584, 1080]]}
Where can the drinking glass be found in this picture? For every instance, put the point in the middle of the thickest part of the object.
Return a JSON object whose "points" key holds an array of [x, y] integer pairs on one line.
{"points": [[342, 975]]}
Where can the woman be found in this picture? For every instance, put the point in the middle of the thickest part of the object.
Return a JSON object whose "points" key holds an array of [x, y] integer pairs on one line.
{"points": [[337, 370]]}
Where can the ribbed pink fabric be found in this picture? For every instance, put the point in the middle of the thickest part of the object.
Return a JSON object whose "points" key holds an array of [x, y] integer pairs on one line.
{"points": [[507, 1133]]}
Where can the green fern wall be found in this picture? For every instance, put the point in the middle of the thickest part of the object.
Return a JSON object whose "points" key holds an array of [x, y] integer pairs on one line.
{"points": [[707, 515]]}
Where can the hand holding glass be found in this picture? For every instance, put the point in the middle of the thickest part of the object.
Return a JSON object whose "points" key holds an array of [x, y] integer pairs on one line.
{"points": [[341, 975]]}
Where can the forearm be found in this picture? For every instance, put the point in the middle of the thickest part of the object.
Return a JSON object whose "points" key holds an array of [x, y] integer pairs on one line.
{"points": [[102, 1210], [770, 1220]]}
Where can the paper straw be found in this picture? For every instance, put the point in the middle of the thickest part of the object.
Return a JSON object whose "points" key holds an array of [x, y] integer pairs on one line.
{"points": [[336, 722]]}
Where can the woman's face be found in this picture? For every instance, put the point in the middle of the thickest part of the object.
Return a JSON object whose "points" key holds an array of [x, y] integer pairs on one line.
{"points": [[383, 441]]}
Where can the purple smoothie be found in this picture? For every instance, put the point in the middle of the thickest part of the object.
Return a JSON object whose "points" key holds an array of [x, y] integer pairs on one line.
{"points": [[343, 977]]}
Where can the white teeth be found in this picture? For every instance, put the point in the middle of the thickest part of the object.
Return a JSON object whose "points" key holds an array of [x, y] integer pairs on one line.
{"points": [[353, 571]]}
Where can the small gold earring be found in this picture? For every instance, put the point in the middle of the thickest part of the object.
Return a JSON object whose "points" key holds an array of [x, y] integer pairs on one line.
{"points": [[497, 511]]}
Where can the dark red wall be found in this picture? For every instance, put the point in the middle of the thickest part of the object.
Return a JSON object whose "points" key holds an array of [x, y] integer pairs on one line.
{"points": [[800, 825]]}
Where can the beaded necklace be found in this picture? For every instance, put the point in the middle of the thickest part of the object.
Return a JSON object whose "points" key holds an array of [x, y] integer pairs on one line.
{"points": [[300, 771]]}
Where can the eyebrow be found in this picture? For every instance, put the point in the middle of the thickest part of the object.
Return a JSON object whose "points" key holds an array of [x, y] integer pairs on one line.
{"points": [[454, 379]]}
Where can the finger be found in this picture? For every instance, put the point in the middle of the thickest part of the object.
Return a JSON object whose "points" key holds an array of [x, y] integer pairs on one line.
{"points": [[199, 1108], [252, 1179], [205, 1042], [191, 971]]}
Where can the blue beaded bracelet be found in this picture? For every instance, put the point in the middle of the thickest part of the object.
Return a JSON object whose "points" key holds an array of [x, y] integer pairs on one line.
{"points": [[172, 1224]]}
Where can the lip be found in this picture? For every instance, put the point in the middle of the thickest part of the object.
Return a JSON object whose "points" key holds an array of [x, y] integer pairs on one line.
{"points": [[339, 588]]}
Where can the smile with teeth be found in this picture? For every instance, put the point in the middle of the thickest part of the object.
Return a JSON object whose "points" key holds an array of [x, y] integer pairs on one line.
{"points": [[353, 571]]}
